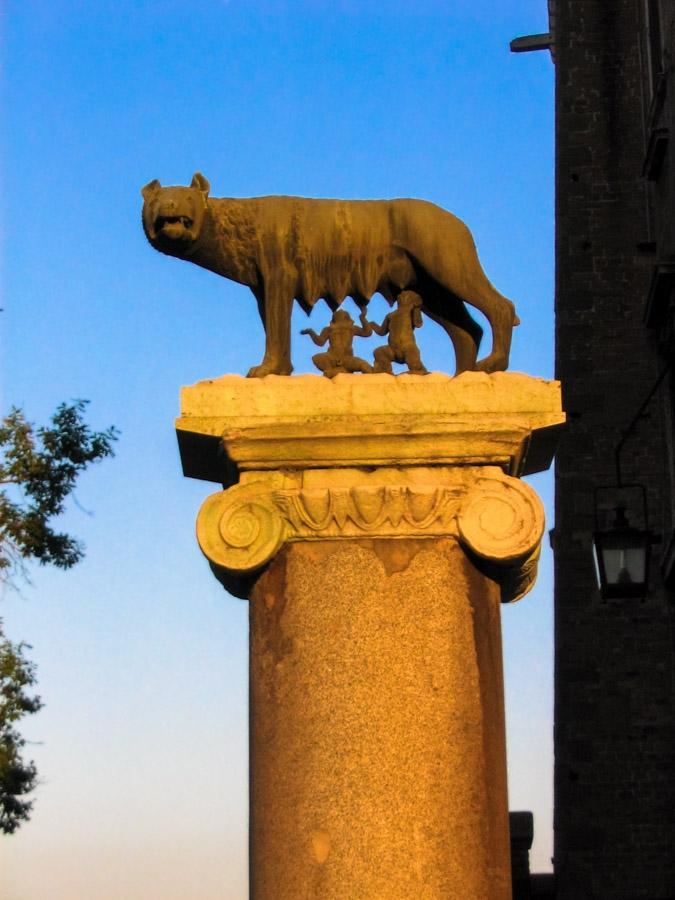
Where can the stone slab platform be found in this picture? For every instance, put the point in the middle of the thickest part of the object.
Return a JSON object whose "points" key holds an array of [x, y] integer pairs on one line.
{"points": [[230, 425]]}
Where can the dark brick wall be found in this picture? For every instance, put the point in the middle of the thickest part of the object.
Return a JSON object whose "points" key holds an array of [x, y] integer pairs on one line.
{"points": [[658, 109], [614, 696]]}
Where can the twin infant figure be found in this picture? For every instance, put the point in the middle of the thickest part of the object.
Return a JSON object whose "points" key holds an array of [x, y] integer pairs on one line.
{"points": [[401, 346]]}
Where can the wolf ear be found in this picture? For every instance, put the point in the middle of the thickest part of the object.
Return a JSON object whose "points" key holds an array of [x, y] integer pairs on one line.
{"points": [[201, 183], [151, 188]]}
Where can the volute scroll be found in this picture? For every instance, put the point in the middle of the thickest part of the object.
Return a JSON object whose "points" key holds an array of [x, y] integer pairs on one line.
{"points": [[501, 519], [240, 529]]}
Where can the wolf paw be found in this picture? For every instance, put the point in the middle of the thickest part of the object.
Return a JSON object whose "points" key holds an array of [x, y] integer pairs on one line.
{"points": [[267, 368], [495, 362]]}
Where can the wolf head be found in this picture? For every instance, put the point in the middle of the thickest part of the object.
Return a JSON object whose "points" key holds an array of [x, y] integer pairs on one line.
{"points": [[173, 216]]}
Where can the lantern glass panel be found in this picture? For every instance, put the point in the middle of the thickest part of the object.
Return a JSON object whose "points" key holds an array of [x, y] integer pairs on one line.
{"points": [[621, 556], [625, 565]]}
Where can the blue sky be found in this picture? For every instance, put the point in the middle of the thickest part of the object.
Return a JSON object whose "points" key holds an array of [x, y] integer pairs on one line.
{"points": [[141, 654]]}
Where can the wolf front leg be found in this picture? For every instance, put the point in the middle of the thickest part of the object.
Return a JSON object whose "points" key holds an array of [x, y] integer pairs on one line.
{"points": [[275, 304]]}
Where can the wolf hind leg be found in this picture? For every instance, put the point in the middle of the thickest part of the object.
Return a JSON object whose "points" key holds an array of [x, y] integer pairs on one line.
{"points": [[464, 332], [501, 314]]}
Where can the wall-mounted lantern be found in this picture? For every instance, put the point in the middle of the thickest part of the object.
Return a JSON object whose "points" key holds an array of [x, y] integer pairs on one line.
{"points": [[621, 548]]}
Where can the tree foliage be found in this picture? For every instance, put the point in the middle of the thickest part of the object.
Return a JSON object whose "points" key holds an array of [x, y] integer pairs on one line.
{"points": [[38, 472], [42, 464], [17, 777]]}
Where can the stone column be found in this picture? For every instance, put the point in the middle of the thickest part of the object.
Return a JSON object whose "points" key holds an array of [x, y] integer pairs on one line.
{"points": [[376, 524]]}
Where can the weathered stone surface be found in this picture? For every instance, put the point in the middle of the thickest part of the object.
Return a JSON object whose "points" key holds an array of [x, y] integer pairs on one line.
{"points": [[375, 523], [405, 456], [505, 419], [377, 725], [497, 518], [286, 248]]}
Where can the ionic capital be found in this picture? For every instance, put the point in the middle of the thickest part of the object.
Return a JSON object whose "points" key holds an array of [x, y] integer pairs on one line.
{"points": [[309, 458], [498, 519]]}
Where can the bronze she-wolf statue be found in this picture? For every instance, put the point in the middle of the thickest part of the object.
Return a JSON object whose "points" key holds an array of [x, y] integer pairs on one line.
{"points": [[286, 248]]}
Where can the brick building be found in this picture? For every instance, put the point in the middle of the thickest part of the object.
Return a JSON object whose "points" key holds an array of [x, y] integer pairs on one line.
{"points": [[614, 794]]}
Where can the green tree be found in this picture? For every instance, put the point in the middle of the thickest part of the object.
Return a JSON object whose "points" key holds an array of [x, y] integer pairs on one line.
{"points": [[17, 777], [39, 468]]}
